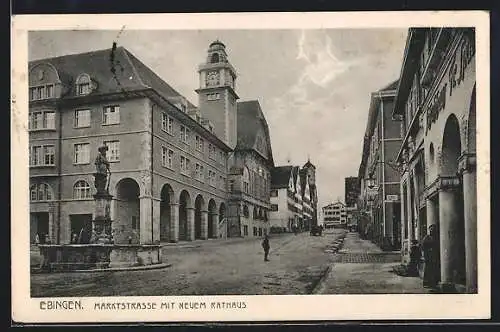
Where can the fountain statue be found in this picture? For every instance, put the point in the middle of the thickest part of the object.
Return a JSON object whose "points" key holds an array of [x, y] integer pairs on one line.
{"points": [[100, 251]]}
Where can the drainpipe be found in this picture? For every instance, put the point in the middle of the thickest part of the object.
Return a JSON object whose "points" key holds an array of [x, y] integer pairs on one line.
{"points": [[59, 162], [382, 137], [152, 179]]}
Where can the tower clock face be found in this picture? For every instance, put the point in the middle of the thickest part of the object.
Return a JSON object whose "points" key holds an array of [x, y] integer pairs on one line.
{"points": [[212, 78]]}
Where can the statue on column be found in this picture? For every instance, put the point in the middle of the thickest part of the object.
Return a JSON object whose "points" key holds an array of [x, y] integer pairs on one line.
{"points": [[103, 172]]}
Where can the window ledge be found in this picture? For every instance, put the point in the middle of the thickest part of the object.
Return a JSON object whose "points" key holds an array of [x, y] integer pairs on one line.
{"points": [[81, 127], [42, 129], [42, 166], [111, 124], [85, 163]]}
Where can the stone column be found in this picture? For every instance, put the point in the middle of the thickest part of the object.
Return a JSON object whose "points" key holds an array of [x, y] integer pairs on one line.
{"points": [[448, 216], [51, 224], [215, 226], [146, 225], [204, 224], [432, 212], [468, 170], [174, 222], [190, 223], [156, 220], [409, 213]]}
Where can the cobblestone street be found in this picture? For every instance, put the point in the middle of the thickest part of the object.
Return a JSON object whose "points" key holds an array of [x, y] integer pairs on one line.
{"points": [[362, 268], [214, 267]]}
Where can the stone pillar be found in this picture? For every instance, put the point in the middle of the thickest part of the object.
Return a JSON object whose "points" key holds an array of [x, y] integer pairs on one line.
{"points": [[448, 216], [215, 226], [146, 224], [156, 220], [432, 212], [174, 222], [468, 170], [204, 224], [409, 213], [51, 225], [190, 223]]}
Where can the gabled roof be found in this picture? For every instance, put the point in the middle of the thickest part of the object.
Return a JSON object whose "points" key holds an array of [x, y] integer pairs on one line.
{"points": [[250, 120], [280, 176], [303, 180]]}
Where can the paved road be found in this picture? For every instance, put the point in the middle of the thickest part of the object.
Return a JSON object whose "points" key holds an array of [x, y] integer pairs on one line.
{"points": [[362, 268], [209, 268]]}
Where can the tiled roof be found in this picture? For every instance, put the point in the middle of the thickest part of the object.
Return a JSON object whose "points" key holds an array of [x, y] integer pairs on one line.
{"points": [[129, 72], [280, 176], [250, 120]]}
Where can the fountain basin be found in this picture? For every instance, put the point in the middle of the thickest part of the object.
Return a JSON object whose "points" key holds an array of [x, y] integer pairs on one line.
{"points": [[71, 257]]}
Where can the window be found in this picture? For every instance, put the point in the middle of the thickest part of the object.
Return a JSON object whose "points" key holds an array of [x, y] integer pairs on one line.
{"points": [[213, 96], [135, 224], [200, 144], [185, 164], [255, 231], [274, 207], [222, 182], [184, 134], [113, 150], [231, 185], [81, 190], [221, 157], [245, 230], [42, 92], [42, 155], [274, 193], [167, 123], [246, 181], [42, 120], [199, 172], [211, 151], [83, 85], [111, 115], [82, 118], [167, 157], [41, 192], [211, 178], [82, 153]]}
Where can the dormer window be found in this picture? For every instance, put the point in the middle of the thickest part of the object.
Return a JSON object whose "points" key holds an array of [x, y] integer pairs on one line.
{"points": [[83, 85]]}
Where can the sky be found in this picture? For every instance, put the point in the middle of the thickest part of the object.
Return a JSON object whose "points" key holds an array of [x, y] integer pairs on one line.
{"points": [[313, 85]]}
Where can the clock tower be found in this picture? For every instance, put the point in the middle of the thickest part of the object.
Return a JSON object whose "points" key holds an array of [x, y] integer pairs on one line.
{"points": [[216, 95]]}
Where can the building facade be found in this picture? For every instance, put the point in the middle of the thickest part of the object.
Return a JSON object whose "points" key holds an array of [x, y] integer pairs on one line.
{"points": [[165, 183], [334, 215], [380, 200], [170, 160], [436, 103], [310, 171]]}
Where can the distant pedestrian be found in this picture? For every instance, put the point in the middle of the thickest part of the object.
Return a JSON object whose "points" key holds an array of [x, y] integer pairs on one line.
{"points": [[430, 247], [265, 246], [74, 239], [37, 239]]}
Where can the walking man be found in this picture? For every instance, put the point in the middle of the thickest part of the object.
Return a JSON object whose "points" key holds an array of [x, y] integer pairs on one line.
{"points": [[265, 246]]}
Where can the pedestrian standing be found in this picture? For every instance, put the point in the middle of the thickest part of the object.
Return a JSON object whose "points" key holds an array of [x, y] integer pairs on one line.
{"points": [[430, 247], [265, 246]]}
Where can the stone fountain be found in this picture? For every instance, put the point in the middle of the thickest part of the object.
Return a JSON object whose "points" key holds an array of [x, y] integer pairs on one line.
{"points": [[101, 252]]}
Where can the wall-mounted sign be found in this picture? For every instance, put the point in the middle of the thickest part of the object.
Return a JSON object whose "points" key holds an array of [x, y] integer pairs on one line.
{"points": [[392, 197]]}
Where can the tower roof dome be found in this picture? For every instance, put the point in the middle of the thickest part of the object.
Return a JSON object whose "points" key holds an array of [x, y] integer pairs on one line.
{"points": [[217, 44]]}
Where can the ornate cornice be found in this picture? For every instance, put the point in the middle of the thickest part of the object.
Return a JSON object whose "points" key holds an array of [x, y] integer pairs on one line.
{"points": [[448, 183], [467, 163]]}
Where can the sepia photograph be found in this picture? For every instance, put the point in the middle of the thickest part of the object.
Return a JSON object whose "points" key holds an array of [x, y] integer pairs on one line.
{"points": [[212, 162]]}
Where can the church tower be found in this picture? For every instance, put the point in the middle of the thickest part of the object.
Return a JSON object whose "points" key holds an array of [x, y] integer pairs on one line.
{"points": [[216, 95]]}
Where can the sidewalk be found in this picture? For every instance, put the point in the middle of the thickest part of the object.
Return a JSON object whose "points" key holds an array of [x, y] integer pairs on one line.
{"points": [[363, 268]]}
